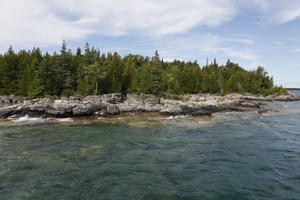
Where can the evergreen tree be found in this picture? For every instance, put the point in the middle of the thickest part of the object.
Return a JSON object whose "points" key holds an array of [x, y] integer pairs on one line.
{"points": [[32, 74]]}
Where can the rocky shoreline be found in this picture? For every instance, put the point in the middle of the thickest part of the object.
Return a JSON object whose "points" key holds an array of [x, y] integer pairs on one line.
{"points": [[114, 104]]}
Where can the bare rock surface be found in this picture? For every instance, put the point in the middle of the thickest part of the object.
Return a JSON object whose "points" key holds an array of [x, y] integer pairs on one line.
{"points": [[113, 104]]}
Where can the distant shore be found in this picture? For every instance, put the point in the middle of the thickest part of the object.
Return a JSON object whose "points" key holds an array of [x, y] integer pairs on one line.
{"points": [[116, 103]]}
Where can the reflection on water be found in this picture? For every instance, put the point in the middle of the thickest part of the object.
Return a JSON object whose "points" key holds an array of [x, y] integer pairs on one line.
{"points": [[227, 156]]}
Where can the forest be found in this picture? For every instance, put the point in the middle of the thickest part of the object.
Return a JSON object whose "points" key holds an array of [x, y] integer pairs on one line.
{"points": [[90, 72]]}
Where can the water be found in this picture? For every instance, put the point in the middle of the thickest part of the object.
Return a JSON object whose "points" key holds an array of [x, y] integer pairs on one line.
{"points": [[229, 156], [295, 91]]}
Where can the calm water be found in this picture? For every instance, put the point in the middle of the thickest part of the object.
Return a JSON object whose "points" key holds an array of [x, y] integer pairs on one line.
{"points": [[295, 91], [229, 156]]}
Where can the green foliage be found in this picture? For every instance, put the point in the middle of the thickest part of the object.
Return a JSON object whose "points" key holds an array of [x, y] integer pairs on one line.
{"points": [[31, 74]]}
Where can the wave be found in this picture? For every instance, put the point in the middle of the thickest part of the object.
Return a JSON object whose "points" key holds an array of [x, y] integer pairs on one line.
{"points": [[64, 119], [26, 118], [177, 117]]}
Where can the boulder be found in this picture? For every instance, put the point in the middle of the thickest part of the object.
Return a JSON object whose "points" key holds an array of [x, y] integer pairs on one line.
{"points": [[113, 98], [113, 110], [9, 111], [39, 105], [5, 100], [81, 110], [62, 105]]}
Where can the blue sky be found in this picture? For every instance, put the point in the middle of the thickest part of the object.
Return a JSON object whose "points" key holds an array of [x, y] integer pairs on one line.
{"points": [[249, 32]]}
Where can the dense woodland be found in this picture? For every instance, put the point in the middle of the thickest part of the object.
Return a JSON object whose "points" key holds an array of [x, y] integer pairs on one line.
{"points": [[89, 72]]}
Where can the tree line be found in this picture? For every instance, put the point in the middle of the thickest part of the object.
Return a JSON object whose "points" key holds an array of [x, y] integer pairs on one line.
{"points": [[90, 72]]}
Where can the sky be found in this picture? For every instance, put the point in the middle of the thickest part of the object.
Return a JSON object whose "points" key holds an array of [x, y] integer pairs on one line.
{"points": [[249, 32]]}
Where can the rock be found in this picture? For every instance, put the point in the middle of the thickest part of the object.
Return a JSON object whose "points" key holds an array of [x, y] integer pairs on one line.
{"points": [[64, 98], [234, 96], [249, 104], [9, 111], [57, 113], [133, 97], [152, 101], [113, 109], [81, 110], [101, 113], [5, 100], [263, 111], [62, 105], [75, 98], [39, 105], [93, 99], [113, 98], [113, 104]]}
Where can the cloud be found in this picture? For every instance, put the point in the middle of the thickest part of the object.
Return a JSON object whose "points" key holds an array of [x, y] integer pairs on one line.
{"points": [[37, 22], [186, 47], [278, 11], [28, 23]]}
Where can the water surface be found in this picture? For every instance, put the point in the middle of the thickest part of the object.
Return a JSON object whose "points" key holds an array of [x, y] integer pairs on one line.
{"points": [[229, 156], [295, 91]]}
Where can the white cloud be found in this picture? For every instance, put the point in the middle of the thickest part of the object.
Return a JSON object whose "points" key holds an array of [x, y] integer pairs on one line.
{"points": [[27, 23], [279, 11], [195, 45], [35, 22]]}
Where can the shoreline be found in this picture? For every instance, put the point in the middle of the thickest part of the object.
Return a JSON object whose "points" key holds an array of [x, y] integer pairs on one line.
{"points": [[116, 104]]}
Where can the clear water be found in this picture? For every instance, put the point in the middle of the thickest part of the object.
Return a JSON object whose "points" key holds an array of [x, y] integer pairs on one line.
{"points": [[229, 156]]}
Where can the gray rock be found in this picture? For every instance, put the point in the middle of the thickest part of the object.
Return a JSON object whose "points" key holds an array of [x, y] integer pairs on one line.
{"points": [[114, 98], [39, 105], [113, 110], [152, 101], [93, 99], [249, 104], [5, 100], [62, 105], [81, 110]]}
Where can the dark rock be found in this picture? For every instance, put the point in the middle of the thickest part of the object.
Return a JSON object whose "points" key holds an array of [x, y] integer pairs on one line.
{"points": [[263, 111], [101, 113], [7, 112], [58, 113]]}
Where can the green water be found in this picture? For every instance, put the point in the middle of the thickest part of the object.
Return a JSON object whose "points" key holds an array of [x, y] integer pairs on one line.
{"points": [[229, 156]]}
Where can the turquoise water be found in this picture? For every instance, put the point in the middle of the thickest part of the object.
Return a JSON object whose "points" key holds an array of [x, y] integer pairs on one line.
{"points": [[229, 156]]}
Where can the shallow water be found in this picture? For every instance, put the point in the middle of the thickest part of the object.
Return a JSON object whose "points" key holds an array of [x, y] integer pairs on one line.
{"points": [[228, 156]]}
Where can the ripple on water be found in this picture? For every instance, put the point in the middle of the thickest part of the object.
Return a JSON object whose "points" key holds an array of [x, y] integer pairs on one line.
{"points": [[237, 156]]}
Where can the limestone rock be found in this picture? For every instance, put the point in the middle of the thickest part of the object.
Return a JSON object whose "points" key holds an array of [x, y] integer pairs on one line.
{"points": [[113, 109]]}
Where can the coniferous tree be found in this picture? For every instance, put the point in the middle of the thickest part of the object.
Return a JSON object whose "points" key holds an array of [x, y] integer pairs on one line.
{"points": [[32, 74]]}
